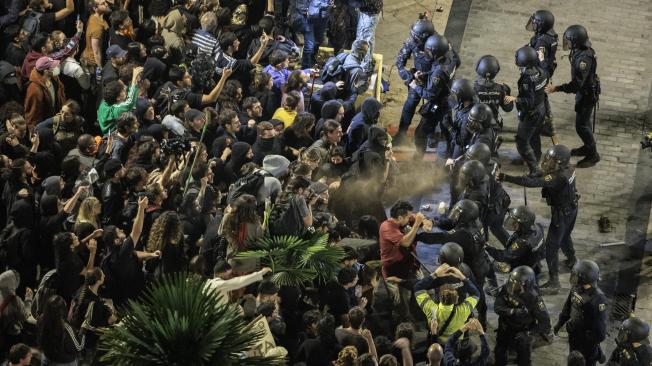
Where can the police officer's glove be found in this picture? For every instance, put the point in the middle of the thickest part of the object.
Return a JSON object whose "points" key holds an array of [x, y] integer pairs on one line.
{"points": [[520, 312], [500, 176], [556, 329]]}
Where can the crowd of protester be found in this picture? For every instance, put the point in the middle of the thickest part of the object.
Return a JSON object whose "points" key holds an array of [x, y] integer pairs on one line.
{"points": [[143, 138]]}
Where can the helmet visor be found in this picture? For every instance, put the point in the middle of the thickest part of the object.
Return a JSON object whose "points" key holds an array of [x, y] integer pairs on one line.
{"points": [[455, 213], [510, 224], [574, 278], [566, 45], [530, 26], [473, 125], [548, 164]]}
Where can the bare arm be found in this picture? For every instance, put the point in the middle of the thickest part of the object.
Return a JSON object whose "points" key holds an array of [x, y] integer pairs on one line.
{"points": [[96, 45], [70, 204], [212, 97], [92, 247], [409, 237], [270, 6], [366, 334], [69, 9], [263, 44], [167, 173], [137, 227]]}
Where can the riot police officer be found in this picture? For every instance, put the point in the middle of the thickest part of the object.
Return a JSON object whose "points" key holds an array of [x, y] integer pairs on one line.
{"points": [[630, 349], [524, 245], [585, 313], [544, 41], [531, 107], [522, 314], [413, 47], [473, 179], [481, 127], [490, 92], [586, 86], [466, 230], [498, 200], [558, 188], [464, 98], [435, 91]]}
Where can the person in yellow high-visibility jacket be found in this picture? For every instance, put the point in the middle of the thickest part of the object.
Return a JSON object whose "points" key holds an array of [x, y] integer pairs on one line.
{"points": [[447, 316]]}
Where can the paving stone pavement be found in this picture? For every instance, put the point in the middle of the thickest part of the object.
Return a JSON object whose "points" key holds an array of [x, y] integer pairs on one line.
{"points": [[620, 33]]}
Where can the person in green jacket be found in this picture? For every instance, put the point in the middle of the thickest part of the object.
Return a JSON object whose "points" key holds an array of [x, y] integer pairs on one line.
{"points": [[116, 101], [447, 316]]}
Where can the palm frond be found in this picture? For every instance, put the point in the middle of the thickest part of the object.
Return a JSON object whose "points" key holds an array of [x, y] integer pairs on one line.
{"points": [[178, 322]]}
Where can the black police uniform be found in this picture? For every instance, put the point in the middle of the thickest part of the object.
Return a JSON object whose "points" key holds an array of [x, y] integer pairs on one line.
{"points": [[493, 94], [434, 110], [559, 191], [518, 316], [547, 44], [631, 356], [460, 136], [422, 63], [531, 112], [585, 316], [583, 84], [497, 204], [521, 249]]}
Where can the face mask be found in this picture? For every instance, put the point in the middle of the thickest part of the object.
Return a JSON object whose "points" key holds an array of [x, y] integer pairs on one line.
{"points": [[56, 71]]}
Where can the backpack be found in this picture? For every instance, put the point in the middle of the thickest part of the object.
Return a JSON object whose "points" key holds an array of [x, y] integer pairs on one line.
{"points": [[46, 289], [284, 219], [249, 184], [168, 95], [334, 69], [32, 23]]}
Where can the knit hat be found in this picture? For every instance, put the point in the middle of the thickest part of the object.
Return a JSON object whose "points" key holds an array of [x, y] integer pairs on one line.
{"points": [[115, 51], [276, 165], [111, 167], [46, 63]]}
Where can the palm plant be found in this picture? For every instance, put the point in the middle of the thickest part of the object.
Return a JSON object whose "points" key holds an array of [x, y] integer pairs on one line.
{"points": [[296, 261], [178, 322]]}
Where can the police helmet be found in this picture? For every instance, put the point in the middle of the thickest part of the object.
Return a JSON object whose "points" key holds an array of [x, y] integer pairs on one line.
{"points": [[519, 218], [451, 254], [575, 36], [421, 30], [557, 157], [632, 330], [526, 56], [437, 45], [585, 272], [480, 152], [480, 117], [541, 21], [463, 90], [464, 212], [520, 280], [487, 67], [472, 173]]}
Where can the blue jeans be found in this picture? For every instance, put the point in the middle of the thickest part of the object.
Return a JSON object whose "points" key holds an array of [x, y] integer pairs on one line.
{"points": [[313, 29], [367, 30], [409, 108]]}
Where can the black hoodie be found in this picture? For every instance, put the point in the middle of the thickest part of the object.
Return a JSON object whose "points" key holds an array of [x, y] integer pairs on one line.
{"points": [[359, 129], [238, 159]]}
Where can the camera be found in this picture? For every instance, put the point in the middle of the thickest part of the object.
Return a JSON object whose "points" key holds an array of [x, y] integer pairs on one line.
{"points": [[176, 146]]}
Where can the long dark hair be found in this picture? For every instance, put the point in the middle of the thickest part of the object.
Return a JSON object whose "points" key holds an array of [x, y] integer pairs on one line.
{"points": [[228, 98], [61, 243], [295, 82], [303, 124], [51, 324]]}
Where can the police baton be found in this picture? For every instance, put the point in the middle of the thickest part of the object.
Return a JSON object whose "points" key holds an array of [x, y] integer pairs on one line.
{"points": [[525, 194]]}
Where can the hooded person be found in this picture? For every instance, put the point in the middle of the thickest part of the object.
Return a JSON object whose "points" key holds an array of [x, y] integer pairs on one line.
{"points": [[13, 312], [267, 142], [241, 153], [328, 92], [358, 131], [329, 110], [174, 28], [376, 142], [51, 223], [52, 186], [21, 242]]}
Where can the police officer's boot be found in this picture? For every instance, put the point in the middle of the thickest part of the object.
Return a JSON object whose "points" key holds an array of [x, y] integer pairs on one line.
{"points": [[535, 171], [547, 129], [551, 287], [591, 159], [580, 151]]}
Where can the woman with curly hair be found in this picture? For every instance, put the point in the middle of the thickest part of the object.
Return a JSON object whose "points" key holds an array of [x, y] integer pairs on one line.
{"points": [[241, 224], [166, 236], [231, 96], [347, 357]]}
